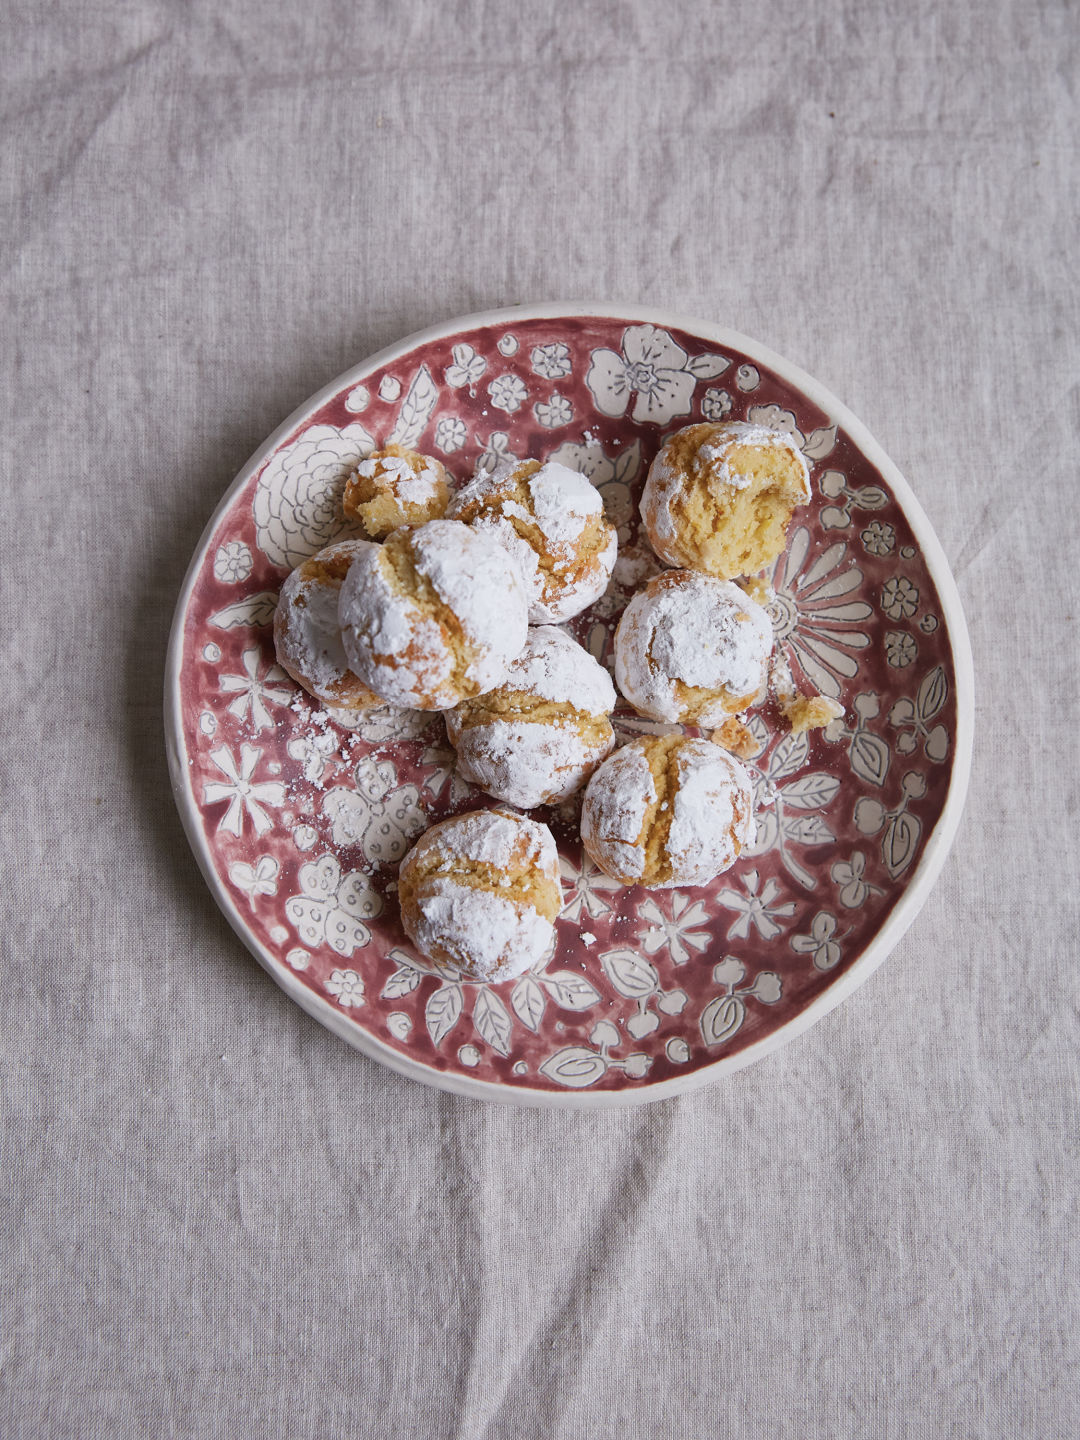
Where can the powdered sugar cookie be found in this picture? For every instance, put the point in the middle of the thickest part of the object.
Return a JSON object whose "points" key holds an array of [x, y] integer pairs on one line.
{"points": [[719, 497], [394, 487], [551, 519], [481, 892], [691, 648], [537, 738], [434, 616], [307, 636], [667, 810]]}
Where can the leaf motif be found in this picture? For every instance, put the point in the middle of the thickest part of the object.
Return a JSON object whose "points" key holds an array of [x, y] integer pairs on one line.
{"points": [[869, 755], [721, 1018], [443, 1011], [628, 463], [575, 1067], [707, 367], [528, 1001], [633, 977], [811, 792], [250, 613], [790, 755], [820, 443], [492, 1020], [570, 991], [900, 842], [933, 692], [807, 830], [870, 497], [415, 409], [403, 982]]}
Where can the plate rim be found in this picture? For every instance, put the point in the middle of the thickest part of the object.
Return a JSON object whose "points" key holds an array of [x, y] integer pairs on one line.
{"points": [[916, 891]]}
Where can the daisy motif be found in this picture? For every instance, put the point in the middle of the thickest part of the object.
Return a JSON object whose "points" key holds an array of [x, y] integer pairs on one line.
{"points": [[879, 538], [899, 598], [508, 393], [551, 361], [232, 563], [814, 619], [675, 930], [590, 889], [346, 987], [715, 405], [245, 796], [900, 649], [254, 692], [450, 434], [756, 909], [555, 412]]}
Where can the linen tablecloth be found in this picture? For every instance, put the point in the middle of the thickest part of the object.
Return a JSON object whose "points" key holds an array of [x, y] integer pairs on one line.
{"points": [[218, 1219]]}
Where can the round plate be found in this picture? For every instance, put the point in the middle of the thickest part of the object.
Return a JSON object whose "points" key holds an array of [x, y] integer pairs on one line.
{"points": [[298, 824]]}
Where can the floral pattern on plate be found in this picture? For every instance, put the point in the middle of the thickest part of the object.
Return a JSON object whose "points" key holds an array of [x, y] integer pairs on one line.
{"points": [[303, 822]]}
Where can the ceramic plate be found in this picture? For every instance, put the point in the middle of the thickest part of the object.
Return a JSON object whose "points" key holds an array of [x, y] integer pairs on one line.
{"points": [[299, 824]]}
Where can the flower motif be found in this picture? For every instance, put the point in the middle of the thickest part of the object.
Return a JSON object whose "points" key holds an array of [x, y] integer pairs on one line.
{"points": [[331, 908], [899, 598], [508, 393], [655, 369], [812, 616], [848, 874], [346, 987], [557, 411], [552, 361], [755, 909], [900, 649], [819, 944], [313, 751], [467, 368], [450, 434], [773, 418], [879, 538], [257, 879], [590, 887], [253, 692], [243, 794], [497, 452], [674, 931], [715, 405], [232, 563], [297, 504]]}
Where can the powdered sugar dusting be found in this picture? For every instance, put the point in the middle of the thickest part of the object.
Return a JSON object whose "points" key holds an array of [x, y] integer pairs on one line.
{"points": [[555, 667], [691, 627], [476, 578], [563, 501], [307, 634], [712, 814], [488, 936], [616, 802]]}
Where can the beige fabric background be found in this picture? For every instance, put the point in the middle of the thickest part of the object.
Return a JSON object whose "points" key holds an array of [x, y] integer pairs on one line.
{"points": [[218, 1221]]}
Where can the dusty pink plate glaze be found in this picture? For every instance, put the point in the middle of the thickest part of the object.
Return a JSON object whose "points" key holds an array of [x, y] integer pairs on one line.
{"points": [[299, 824]]}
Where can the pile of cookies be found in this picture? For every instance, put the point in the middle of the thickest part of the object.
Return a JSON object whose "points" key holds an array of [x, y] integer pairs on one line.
{"points": [[453, 603]]}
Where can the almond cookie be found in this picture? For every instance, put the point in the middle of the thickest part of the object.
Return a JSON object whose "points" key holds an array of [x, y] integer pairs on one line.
{"points": [[551, 519], [719, 498], [394, 487], [307, 636], [434, 616], [480, 893], [537, 738], [692, 649], [667, 810]]}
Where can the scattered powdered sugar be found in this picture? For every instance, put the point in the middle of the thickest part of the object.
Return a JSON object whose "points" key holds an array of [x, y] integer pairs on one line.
{"points": [[695, 628], [488, 936], [713, 809], [616, 802], [740, 432]]}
